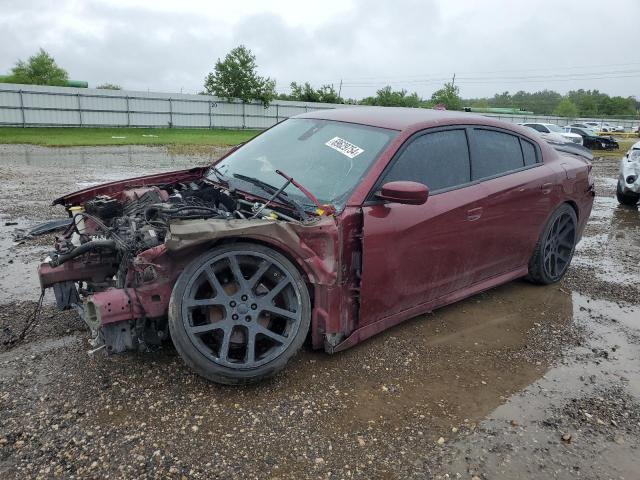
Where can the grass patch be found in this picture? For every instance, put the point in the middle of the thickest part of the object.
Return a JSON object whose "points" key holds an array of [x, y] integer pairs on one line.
{"points": [[67, 137]]}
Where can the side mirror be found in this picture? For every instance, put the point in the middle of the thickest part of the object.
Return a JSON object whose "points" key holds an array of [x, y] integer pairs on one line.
{"points": [[404, 192]]}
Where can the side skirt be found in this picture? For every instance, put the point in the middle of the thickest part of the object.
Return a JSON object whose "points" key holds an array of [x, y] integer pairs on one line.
{"points": [[371, 329]]}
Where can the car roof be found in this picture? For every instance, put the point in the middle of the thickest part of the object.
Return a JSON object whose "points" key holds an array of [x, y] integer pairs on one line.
{"points": [[400, 118]]}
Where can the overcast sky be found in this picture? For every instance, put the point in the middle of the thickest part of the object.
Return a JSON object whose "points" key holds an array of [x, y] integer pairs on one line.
{"points": [[491, 45]]}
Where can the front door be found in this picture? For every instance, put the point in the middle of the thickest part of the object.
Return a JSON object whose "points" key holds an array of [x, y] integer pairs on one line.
{"points": [[413, 254]]}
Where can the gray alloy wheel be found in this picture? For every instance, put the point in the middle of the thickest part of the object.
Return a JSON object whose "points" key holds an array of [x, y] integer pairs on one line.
{"points": [[238, 313], [554, 250]]}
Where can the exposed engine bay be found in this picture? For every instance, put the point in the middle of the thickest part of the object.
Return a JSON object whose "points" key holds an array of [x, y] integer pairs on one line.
{"points": [[111, 260]]}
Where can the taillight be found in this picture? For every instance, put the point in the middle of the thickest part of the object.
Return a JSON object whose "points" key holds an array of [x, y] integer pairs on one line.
{"points": [[590, 178]]}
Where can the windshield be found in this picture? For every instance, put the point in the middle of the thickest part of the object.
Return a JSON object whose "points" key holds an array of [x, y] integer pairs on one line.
{"points": [[554, 128], [327, 158]]}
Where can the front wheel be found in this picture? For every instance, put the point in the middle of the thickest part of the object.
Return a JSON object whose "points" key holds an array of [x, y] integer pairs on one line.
{"points": [[554, 250], [238, 313], [627, 198]]}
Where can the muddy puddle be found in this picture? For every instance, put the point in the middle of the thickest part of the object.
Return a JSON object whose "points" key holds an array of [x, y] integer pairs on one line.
{"points": [[531, 434]]}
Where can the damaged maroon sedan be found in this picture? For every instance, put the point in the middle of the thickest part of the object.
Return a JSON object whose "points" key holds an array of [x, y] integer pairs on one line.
{"points": [[332, 225]]}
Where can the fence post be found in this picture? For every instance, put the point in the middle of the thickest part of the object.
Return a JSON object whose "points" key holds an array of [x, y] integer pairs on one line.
{"points": [[277, 113], [128, 112], [170, 113], [24, 123], [79, 108], [244, 122], [210, 115]]}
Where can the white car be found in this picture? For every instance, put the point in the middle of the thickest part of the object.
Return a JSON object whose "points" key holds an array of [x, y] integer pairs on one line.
{"points": [[604, 127], [628, 191], [554, 129]]}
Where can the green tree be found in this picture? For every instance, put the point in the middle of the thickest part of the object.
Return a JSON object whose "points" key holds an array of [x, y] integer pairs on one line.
{"points": [[109, 86], [566, 108], [303, 93], [449, 96], [39, 69], [387, 97], [236, 77], [306, 93]]}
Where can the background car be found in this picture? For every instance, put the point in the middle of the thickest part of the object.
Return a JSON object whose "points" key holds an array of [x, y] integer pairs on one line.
{"points": [[333, 224], [628, 188], [593, 141], [554, 129], [590, 128], [608, 127], [603, 127]]}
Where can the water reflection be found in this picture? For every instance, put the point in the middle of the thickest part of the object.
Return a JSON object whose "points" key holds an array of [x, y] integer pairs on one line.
{"points": [[91, 157]]}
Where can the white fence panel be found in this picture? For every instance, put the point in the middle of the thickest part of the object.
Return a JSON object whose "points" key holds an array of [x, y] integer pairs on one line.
{"points": [[34, 105]]}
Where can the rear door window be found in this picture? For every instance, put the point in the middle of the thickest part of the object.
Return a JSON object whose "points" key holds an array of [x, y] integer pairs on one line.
{"points": [[494, 153], [439, 160]]}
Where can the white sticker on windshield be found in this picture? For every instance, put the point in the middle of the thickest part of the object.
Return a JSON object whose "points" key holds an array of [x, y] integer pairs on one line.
{"points": [[344, 147]]}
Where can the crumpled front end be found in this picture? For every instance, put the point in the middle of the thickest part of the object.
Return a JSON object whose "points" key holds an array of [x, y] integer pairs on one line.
{"points": [[118, 262], [629, 179]]}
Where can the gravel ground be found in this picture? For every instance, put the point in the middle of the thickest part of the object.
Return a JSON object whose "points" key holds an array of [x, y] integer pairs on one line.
{"points": [[518, 382]]}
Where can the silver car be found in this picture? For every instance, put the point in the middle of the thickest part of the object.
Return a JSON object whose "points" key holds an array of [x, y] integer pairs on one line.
{"points": [[628, 191], [554, 131]]}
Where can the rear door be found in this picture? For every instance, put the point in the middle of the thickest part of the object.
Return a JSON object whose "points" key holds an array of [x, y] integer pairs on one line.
{"points": [[416, 253], [518, 197]]}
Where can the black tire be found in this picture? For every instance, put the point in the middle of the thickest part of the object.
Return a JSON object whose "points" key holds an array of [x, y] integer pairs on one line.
{"points": [[554, 250], [230, 331], [630, 199]]}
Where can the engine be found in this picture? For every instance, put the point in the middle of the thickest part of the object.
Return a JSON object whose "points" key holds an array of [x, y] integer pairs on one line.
{"points": [[111, 264], [137, 219]]}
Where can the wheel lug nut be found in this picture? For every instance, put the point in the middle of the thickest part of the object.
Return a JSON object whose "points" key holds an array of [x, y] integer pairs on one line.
{"points": [[244, 298], [253, 306], [234, 316], [233, 304], [247, 318]]}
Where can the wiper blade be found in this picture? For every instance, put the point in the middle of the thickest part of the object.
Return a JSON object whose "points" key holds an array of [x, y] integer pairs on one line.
{"points": [[323, 209], [219, 175], [259, 183], [275, 193]]}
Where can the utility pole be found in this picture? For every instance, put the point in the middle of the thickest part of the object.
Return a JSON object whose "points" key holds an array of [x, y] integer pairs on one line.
{"points": [[453, 80], [340, 88]]}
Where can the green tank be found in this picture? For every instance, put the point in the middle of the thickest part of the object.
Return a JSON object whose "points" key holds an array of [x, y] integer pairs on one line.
{"points": [[70, 83]]}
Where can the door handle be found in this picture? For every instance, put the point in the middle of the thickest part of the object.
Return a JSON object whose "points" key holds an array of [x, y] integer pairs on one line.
{"points": [[474, 214], [546, 188]]}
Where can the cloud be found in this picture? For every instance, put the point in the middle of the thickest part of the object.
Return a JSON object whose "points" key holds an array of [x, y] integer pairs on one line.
{"points": [[492, 45]]}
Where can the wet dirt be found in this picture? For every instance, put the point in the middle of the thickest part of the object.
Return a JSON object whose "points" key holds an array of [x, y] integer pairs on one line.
{"points": [[488, 387]]}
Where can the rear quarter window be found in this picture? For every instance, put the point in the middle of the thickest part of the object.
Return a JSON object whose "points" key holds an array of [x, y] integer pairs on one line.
{"points": [[529, 152], [494, 153]]}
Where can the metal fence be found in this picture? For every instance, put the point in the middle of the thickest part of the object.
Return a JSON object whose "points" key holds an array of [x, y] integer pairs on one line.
{"points": [[35, 106], [30, 105]]}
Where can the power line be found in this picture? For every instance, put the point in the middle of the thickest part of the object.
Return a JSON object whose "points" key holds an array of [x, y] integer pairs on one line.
{"points": [[494, 80], [596, 72], [543, 69]]}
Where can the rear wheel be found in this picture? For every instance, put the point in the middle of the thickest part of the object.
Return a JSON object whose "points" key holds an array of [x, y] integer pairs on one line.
{"points": [[238, 313], [554, 250], [627, 198]]}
